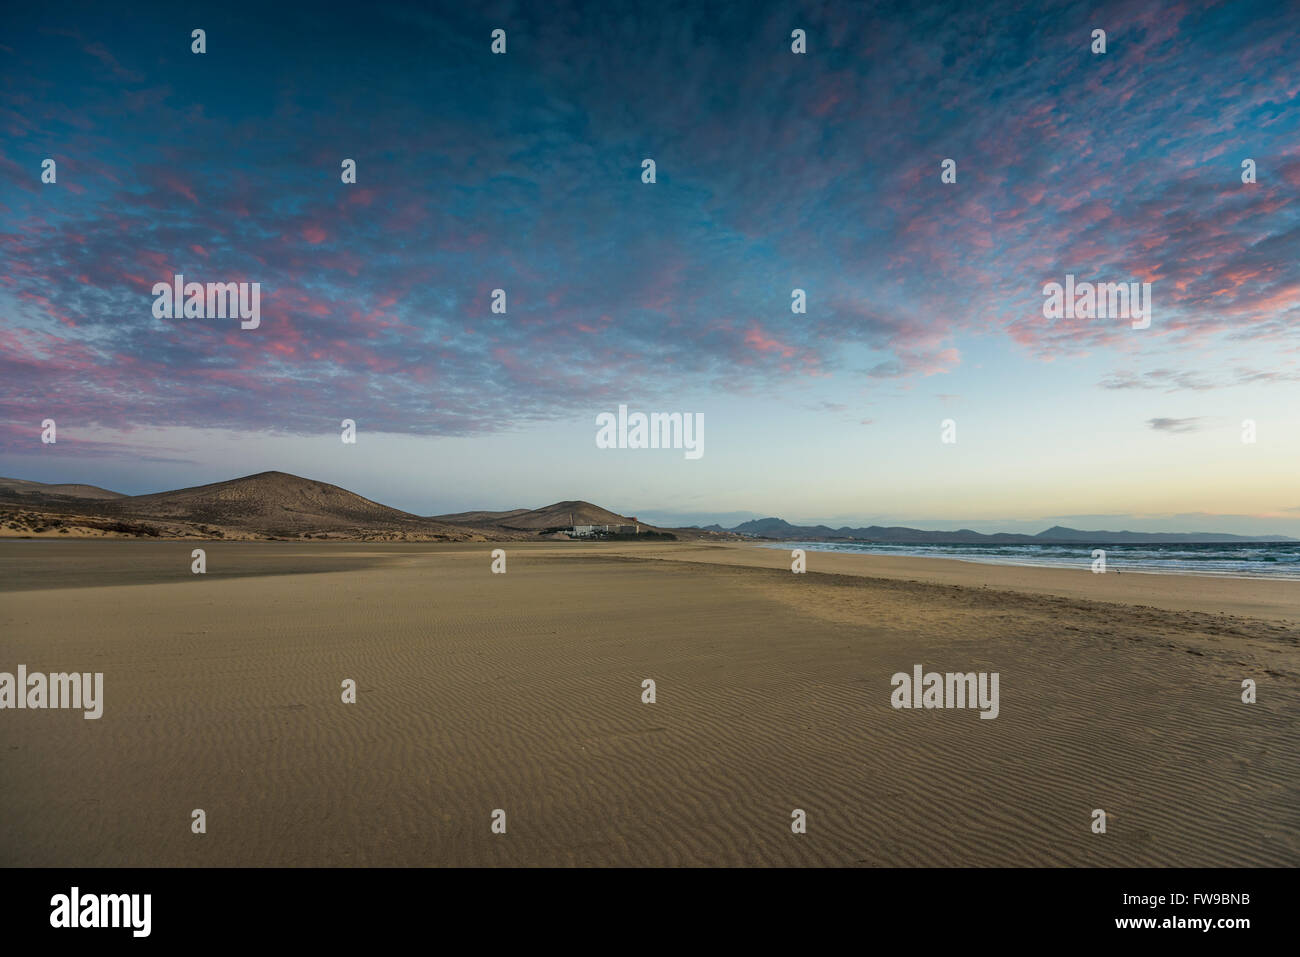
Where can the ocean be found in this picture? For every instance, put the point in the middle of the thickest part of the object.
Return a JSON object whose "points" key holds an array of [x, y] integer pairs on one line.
{"points": [[1236, 559]]}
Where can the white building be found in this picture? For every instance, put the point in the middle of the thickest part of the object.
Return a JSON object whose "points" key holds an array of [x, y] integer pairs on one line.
{"points": [[592, 531]]}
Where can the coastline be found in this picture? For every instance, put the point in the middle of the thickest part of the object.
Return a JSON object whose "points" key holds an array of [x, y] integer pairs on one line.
{"points": [[1277, 599], [1119, 561]]}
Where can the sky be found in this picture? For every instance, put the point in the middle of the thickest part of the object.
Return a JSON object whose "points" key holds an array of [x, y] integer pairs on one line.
{"points": [[774, 171]]}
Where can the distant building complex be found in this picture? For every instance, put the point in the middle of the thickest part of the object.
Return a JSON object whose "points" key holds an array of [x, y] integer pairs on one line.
{"points": [[597, 531]]}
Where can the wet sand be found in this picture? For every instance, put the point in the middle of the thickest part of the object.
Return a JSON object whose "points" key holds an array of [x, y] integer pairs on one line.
{"points": [[522, 692]]}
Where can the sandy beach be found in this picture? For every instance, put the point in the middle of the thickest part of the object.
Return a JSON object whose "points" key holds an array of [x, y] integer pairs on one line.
{"points": [[522, 691]]}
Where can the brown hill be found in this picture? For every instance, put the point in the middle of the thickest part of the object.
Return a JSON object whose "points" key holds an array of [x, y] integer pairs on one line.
{"points": [[480, 517], [266, 505], [275, 505], [559, 515], [267, 498], [566, 514], [22, 487]]}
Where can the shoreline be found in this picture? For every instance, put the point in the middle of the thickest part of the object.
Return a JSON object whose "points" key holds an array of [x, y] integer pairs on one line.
{"points": [[1083, 565], [1250, 597], [1247, 597]]}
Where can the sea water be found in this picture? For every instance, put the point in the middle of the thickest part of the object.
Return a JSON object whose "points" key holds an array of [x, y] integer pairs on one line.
{"points": [[1232, 559]]}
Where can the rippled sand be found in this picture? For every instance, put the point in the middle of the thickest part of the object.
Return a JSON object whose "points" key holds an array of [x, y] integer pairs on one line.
{"points": [[523, 692]]}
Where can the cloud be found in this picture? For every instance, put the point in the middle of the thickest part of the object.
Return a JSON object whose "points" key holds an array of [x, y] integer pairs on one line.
{"points": [[776, 171], [1169, 380], [1175, 425], [1175, 381]]}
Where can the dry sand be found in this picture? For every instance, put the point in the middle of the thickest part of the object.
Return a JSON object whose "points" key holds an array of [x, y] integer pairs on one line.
{"points": [[523, 692]]}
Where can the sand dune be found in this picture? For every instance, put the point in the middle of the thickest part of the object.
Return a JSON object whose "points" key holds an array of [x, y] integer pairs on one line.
{"points": [[523, 692]]}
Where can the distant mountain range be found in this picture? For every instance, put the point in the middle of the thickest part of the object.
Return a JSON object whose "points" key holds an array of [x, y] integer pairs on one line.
{"points": [[781, 530], [275, 505]]}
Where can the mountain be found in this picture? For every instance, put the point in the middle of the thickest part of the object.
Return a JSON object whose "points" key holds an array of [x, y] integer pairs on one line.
{"points": [[268, 499], [565, 514], [265, 505], [1059, 533], [550, 518], [782, 530], [479, 518], [277, 505], [41, 489], [559, 515]]}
